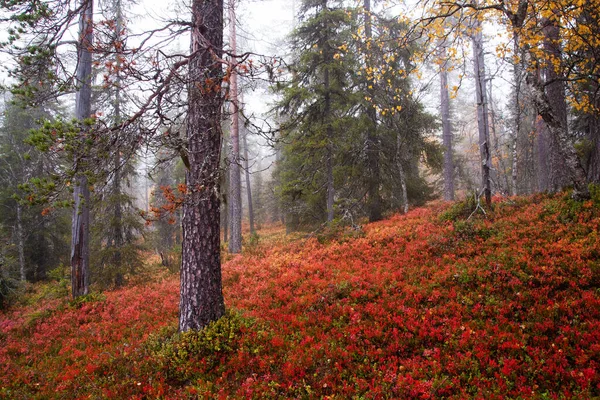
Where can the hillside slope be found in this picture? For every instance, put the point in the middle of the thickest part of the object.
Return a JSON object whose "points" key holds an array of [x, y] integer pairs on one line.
{"points": [[417, 306]]}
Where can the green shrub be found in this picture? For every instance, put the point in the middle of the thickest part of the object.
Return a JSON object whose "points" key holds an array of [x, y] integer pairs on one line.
{"points": [[179, 354], [594, 189], [460, 210], [252, 243], [472, 229], [8, 290], [88, 298]]}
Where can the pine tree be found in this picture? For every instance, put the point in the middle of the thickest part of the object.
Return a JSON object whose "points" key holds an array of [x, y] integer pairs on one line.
{"points": [[201, 287]]}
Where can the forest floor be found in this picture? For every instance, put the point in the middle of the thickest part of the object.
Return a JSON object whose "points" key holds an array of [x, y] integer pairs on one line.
{"points": [[423, 305]]}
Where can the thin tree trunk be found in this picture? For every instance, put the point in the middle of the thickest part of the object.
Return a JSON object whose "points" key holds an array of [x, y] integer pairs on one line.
{"points": [[201, 283], [248, 188], [497, 150], [328, 128], [372, 141], [118, 210], [226, 206], [235, 183], [279, 214], [330, 186], [80, 228], [482, 113], [401, 174], [446, 131], [518, 72], [21, 242]]}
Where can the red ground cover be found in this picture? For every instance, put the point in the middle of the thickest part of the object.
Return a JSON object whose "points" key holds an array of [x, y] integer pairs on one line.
{"points": [[415, 307]]}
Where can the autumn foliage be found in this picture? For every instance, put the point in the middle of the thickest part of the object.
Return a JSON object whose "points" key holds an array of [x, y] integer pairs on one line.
{"points": [[425, 305]]}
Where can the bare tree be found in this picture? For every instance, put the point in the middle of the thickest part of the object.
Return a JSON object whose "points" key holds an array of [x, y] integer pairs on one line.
{"points": [[482, 111]]}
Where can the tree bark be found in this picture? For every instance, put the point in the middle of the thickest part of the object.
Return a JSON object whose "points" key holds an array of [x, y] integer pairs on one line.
{"points": [[80, 228], [401, 174], [225, 206], [446, 131], [555, 90], [594, 137], [201, 284], [482, 113], [328, 128], [502, 169], [235, 182], [330, 185], [21, 242], [117, 224], [372, 141], [543, 154], [248, 186], [517, 112], [558, 131]]}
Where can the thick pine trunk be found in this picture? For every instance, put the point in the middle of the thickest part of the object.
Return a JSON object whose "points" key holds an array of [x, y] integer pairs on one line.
{"points": [[372, 141], [201, 291], [559, 133], [80, 228], [555, 90], [549, 99], [594, 137], [543, 154], [446, 132], [482, 114], [235, 193]]}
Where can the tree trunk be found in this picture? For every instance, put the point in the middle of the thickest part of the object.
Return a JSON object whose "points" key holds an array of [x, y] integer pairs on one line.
{"points": [[543, 154], [225, 206], [594, 137], [502, 169], [401, 174], [80, 228], [328, 128], [517, 112], [118, 240], [201, 286], [330, 186], [482, 114], [248, 188], [446, 131], [235, 183], [555, 90], [558, 131], [21, 242], [372, 141], [278, 213]]}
